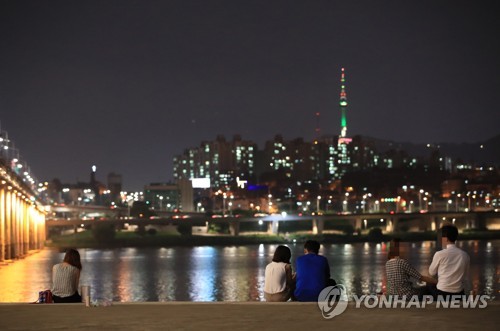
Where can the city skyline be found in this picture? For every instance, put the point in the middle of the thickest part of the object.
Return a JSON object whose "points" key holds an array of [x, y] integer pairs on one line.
{"points": [[129, 87]]}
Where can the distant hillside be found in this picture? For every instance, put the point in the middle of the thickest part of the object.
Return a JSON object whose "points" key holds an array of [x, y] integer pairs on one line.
{"points": [[467, 152]]}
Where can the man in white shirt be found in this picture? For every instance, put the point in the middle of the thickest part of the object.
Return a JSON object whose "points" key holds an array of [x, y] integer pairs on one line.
{"points": [[451, 264]]}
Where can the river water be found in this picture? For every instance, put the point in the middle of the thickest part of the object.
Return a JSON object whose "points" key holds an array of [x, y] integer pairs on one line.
{"points": [[235, 273]]}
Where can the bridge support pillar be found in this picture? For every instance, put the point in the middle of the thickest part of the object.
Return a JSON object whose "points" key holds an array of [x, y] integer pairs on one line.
{"points": [[15, 228], [391, 225], [26, 228], [234, 228], [272, 227], [318, 226], [471, 223], [9, 228], [388, 226], [2, 225], [434, 224], [357, 224], [440, 223]]}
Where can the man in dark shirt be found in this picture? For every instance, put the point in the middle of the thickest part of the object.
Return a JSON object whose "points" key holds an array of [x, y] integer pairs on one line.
{"points": [[313, 273]]}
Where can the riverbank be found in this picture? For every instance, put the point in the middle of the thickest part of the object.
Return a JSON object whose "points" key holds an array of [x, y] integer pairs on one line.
{"points": [[160, 239], [239, 316]]}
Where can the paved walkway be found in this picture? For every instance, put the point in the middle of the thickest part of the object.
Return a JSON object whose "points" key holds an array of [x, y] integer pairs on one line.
{"points": [[240, 316]]}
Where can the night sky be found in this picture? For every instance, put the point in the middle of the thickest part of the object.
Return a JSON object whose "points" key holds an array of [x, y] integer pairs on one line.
{"points": [[126, 85]]}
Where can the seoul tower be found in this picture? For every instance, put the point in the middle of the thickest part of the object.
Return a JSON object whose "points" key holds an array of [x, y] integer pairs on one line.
{"points": [[343, 106], [343, 157]]}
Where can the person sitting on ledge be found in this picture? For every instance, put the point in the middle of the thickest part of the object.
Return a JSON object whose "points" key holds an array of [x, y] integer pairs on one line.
{"points": [[313, 273], [451, 265], [399, 274], [65, 278], [279, 281]]}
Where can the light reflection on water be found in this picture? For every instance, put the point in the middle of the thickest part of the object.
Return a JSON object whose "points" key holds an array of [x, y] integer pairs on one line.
{"points": [[225, 273]]}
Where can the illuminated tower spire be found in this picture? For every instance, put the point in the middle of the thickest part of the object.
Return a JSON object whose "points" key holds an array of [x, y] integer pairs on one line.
{"points": [[343, 106]]}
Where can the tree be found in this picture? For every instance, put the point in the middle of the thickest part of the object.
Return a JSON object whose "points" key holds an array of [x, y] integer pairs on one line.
{"points": [[140, 209]]}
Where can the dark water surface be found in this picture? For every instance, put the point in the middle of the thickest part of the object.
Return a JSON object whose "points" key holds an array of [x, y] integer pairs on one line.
{"points": [[235, 273]]}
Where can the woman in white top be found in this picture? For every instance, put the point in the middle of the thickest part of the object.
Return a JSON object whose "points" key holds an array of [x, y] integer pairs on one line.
{"points": [[65, 278], [279, 281]]}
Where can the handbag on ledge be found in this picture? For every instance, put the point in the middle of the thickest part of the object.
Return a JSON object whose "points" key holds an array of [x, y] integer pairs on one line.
{"points": [[44, 297]]}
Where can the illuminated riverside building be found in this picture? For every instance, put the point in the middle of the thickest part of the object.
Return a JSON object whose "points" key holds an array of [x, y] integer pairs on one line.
{"points": [[363, 155], [83, 193], [222, 161], [296, 158], [163, 196], [92, 192], [326, 152]]}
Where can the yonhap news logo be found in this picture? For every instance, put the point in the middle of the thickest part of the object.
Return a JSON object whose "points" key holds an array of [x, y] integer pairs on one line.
{"points": [[332, 301]]}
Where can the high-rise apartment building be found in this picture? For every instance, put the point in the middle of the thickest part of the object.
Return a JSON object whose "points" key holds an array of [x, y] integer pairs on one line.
{"points": [[296, 158], [363, 154], [326, 155], [220, 160]]}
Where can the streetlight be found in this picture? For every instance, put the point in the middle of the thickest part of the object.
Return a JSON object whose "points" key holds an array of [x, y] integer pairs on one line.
{"points": [[345, 201], [420, 199], [448, 205], [161, 200], [269, 202], [468, 201], [224, 196], [363, 203], [317, 203]]}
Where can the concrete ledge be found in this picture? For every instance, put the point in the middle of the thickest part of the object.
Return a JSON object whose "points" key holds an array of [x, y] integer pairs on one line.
{"points": [[239, 316]]}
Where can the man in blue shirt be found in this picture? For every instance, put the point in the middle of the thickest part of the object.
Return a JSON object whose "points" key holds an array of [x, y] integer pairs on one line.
{"points": [[313, 273]]}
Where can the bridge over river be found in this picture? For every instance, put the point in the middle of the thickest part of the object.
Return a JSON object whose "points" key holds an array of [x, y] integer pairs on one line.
{"points": [[318, 223]]}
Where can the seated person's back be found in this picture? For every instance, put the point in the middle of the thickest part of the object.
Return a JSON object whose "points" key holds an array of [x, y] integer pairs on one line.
{"points": [[65, 278], [313, 272]]}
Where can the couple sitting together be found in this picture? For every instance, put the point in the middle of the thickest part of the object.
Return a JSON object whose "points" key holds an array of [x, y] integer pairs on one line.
{"points": [[450, 265], [311, 277]]}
